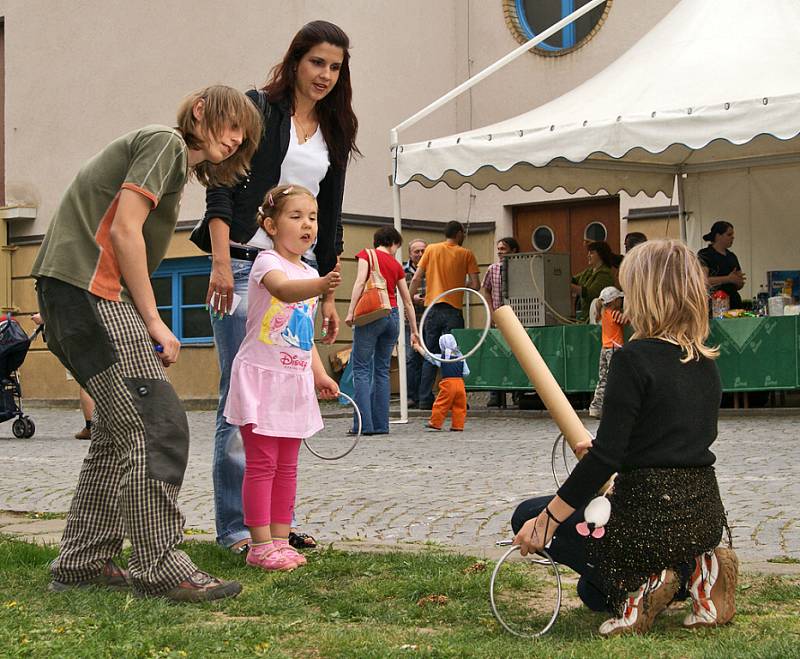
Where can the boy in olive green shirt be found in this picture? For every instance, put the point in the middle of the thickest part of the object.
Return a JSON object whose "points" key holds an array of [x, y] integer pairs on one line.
{"points": [[109, 234]]}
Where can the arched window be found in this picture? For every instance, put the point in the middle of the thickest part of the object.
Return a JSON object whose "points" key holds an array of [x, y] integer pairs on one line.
{"points": [[527, 18]]}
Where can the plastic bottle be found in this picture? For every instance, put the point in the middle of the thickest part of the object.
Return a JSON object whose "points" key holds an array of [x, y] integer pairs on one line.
{"points": [[720, 303]]}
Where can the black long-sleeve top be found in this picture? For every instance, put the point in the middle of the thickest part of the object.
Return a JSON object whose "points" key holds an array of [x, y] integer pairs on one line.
{"points": [[237, 206], [657, 412]]}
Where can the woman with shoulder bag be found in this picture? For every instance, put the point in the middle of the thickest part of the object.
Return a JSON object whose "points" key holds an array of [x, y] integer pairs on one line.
{"points": [[374, 341], [309, 136]]}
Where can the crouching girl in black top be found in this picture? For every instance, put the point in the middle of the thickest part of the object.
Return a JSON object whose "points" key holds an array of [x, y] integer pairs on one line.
{"points": [[659, 420]]}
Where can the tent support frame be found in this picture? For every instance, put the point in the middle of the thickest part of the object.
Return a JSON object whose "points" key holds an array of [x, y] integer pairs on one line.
{"points": [[679, 178], [395, 145]]}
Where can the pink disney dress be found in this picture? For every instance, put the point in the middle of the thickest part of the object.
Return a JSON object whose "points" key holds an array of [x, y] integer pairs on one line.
{"points": [[272, 385]]}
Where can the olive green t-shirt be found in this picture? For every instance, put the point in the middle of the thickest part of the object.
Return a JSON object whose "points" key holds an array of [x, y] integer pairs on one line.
{"points": [[77, 249]]}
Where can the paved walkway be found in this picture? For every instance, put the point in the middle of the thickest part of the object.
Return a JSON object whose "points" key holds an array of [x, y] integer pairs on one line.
{"points": [[454, 489]]}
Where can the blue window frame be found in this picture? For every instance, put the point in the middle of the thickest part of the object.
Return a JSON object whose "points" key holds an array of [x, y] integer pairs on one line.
{"points": [[534, 16], [180, 287]]}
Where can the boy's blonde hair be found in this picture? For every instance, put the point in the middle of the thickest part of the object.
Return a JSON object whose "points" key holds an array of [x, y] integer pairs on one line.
{"points": [[666, 296], [224, 107], [276, 199]]}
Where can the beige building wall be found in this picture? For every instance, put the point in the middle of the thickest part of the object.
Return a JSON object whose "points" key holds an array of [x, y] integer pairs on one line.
{"points": [[78, 74], [196, 375]]}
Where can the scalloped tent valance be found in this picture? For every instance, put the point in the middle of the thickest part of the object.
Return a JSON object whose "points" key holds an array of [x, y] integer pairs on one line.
{"points": [[714, 84]]}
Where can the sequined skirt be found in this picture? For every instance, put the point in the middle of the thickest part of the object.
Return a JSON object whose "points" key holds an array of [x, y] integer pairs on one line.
{"points": [[660, 518]]}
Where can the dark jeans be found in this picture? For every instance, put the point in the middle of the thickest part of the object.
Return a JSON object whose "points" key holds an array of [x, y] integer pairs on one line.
{"points": [[442, 319], [569, 548], [414, 363]]}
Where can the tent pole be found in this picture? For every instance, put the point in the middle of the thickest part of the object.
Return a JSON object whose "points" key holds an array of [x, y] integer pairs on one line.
{"points": [[499, 64], [401, 339], [681, 208], [394, 143]]}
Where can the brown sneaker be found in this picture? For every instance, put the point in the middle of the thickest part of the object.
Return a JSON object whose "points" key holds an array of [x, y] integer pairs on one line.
{"points": [[642, 607], [713, 589], [112, 576], [202, 587], [83, 433]]}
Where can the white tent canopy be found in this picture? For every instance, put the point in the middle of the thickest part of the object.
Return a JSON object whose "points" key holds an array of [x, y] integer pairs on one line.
{"points": [[714, 85]]}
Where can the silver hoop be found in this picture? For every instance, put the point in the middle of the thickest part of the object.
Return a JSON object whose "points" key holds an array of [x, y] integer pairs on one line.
{"points": [[553, 458], [545, 560], [480, 341], [356, 437]]}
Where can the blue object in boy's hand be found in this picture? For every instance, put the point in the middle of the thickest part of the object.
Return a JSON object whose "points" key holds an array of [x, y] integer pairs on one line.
{"points": [[158, 347]]}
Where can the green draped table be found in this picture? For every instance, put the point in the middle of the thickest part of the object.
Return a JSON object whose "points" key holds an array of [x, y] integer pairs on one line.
{"points": [[756, 354]]}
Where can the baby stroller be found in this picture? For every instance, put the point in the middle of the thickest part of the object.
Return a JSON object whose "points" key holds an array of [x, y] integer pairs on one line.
{"points": [[14, 345]]}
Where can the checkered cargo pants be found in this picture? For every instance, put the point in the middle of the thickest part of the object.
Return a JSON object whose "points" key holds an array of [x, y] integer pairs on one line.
{"points": [[596, 406], [131, 476]]}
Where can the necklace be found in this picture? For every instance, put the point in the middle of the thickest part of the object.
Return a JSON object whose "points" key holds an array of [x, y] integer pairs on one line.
{"points": [[306, 135]]}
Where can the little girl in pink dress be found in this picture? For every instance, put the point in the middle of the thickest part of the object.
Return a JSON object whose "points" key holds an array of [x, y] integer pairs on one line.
{"points": [[272, 394]]}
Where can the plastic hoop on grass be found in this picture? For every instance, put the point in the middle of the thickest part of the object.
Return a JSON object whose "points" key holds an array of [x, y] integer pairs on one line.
{"points": [[356, 437], [486, 326], [520, 599]]}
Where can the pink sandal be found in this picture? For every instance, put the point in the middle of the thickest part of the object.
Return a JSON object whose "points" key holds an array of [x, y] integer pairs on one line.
{"points": [[291, 552], [272, 559]]}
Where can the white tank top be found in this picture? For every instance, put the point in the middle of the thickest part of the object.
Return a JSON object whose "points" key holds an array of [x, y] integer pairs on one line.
{"points": [[304, 164]]}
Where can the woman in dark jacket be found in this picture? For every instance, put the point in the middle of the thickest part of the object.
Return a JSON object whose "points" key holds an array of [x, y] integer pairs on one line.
{"points": [[309, 136]]}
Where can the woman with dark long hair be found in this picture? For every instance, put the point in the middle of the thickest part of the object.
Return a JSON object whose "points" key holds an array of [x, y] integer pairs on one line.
{"points": [[587, 284], [722, 268], [309, 136]]}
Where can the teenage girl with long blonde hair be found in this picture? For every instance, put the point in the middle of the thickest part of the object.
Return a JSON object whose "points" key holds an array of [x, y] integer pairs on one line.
{"points": [[659, 421]]}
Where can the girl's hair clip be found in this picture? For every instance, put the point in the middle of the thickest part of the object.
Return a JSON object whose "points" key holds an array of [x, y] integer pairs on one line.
{"points": [[270, 200], [261, 211], [288, 190]]}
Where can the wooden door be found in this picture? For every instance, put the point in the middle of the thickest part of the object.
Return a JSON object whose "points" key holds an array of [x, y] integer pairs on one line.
{"points": [[589, 221], [568, 223], [529, 219]]}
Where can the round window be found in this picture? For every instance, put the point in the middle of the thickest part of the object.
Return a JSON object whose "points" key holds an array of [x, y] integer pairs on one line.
{"points": [[542, 238], [595, 231], [527, 18]]}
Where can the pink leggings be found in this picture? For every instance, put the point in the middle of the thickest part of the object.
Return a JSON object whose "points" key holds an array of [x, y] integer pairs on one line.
{"points": [[270, 478]]}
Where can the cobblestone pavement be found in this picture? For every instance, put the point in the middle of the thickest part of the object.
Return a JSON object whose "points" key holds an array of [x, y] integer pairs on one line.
{"points": [[455, 489]]}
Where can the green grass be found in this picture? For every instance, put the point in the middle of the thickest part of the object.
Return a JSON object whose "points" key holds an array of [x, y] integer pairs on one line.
{"points": [[786, 560], [45, 515], [351, 605]]}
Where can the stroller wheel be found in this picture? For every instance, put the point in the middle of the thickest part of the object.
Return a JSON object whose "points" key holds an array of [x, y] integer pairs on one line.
{"points": [[30, 427], [19, 428]]}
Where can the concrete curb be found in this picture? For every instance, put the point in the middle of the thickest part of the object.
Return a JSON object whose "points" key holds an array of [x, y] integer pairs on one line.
{"points": [[21, 526]]}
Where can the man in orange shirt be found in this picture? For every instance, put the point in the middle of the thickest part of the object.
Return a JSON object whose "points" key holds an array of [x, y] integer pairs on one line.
{"points": [[444, 266]]}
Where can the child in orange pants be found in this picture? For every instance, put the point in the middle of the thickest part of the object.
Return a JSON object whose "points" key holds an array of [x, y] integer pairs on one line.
{"points": [[452, 396]]}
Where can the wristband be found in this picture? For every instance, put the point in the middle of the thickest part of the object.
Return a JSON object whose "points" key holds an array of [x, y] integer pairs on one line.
{"points": [[552, 516]]}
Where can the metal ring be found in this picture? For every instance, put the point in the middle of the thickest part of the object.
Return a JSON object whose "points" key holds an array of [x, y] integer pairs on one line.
{"points": [[480, 341], [546, 560], [564, 445], [356, 437]]}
